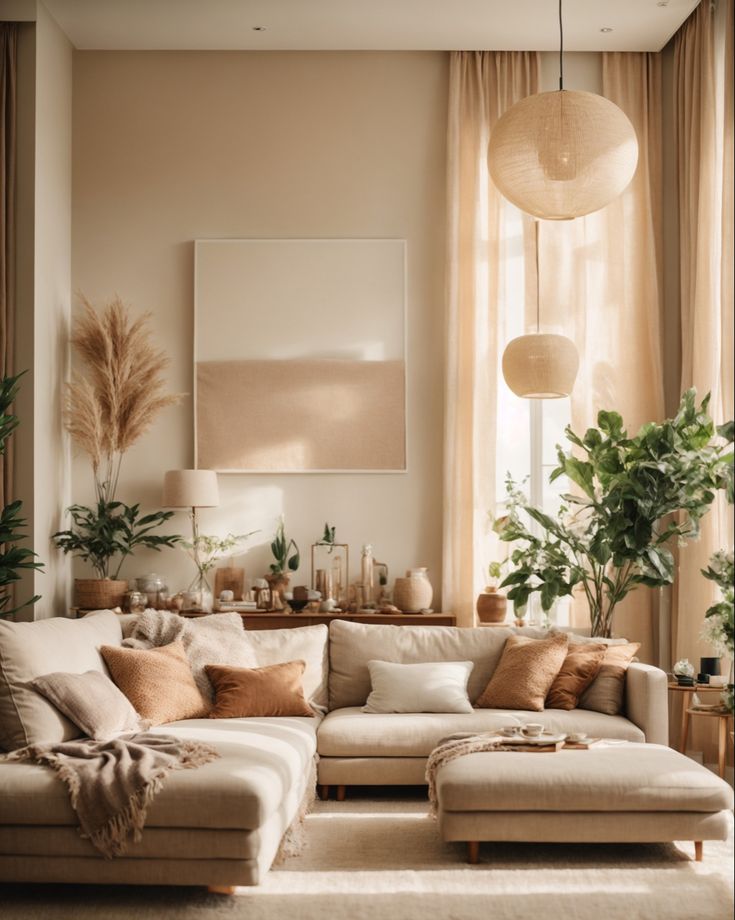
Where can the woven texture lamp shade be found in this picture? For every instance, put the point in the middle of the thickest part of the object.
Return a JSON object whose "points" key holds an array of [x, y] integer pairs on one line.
{"points": [[190, 489], [562, 154], [541, 366]]}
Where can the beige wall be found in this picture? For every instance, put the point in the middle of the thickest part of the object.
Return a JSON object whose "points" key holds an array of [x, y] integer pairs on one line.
{"points": [[43, 478], [171, 147]]}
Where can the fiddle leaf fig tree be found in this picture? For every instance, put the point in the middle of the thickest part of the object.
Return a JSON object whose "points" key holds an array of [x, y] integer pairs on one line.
{"points": [[636, 495]]}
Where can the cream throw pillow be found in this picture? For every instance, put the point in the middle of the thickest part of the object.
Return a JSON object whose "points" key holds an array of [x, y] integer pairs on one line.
{"points": [[432, 686], [525, 673], [158, 682], [91, 701]]}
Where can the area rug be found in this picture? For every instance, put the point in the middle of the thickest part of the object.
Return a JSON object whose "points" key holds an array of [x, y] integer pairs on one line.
{"points": [[381, 859]]}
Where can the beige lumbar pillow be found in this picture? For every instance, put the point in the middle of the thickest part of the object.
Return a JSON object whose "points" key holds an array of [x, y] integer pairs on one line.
{"points": [[431, 686], [275, 690], [158, 682], [524, 674], [580, 668], [91, 701], [607, 692]]}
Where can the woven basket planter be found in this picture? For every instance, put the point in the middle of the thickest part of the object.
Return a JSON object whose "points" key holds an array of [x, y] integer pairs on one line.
{"points": [[99, 593]]}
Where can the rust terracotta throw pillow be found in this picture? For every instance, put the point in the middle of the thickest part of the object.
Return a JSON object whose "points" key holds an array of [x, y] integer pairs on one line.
{"points": [[275, 690], [157, 681], [606, 693], [580, 668], [524, 674]]}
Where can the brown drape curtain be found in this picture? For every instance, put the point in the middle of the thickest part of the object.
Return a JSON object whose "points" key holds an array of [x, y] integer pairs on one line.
{"points": [[8, 66], [482, 86], [703, 122]]}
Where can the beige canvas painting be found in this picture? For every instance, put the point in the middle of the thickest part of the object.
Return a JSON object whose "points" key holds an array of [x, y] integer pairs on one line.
{"points": [[299, 355]]}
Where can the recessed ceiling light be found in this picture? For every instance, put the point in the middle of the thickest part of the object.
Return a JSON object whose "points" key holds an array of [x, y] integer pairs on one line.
{"points": [[606, 29], [259, 28]]}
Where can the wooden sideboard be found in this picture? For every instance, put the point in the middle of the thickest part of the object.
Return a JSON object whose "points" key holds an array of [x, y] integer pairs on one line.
{"points": [[272, 620]]}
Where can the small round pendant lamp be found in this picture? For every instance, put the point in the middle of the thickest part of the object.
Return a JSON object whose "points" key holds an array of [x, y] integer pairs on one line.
{"points": [[540, 365], [562, 154]]}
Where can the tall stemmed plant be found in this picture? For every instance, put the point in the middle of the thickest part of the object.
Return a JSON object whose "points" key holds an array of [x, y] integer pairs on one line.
{"points": [[110, 404], [636, 496]]}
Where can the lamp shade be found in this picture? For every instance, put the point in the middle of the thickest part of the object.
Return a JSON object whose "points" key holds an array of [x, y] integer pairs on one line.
{"points": [[541, 365], [190, 489], [562, 154]]}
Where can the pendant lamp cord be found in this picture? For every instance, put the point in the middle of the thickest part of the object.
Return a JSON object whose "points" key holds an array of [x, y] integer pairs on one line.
{"points": [[561, 49], [538, 283]]}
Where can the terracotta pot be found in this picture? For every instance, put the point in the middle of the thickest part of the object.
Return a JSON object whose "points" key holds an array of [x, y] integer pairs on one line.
{"points": [[99, 593], [414, 592], [491, 606]]}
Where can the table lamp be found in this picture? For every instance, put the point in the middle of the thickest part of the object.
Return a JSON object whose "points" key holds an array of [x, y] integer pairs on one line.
{"points": [[192, 489]]}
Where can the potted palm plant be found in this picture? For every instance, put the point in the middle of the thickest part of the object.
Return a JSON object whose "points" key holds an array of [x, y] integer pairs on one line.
{"points": [[14, 559], [110, 404], [636, 495]]}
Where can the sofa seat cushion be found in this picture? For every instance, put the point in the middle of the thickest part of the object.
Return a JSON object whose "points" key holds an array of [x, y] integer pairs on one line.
{"points": [[625, 777], [264, 766], [350, 732]]}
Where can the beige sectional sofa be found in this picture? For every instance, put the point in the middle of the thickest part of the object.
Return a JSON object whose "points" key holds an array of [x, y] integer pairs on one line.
{"points": [[222, 824]]}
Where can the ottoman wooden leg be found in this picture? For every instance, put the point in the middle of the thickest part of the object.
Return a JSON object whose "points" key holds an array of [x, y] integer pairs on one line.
{"points": [[341, 793], [473, 852], [698, 851], [323, 792], [222, 889]]}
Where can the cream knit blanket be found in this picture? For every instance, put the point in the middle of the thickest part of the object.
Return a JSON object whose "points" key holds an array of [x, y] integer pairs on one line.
{"points": [[112, 783]]}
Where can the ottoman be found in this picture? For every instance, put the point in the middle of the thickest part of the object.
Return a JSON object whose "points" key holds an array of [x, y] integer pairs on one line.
{"points": [[617, 793]]}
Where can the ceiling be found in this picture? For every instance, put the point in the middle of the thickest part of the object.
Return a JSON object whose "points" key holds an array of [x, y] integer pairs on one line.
{"points": [[366, 25]]}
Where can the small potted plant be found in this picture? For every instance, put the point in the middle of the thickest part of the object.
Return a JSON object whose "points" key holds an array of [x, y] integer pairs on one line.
{"points": [[491, 603], [286, 553], [204, 552]]}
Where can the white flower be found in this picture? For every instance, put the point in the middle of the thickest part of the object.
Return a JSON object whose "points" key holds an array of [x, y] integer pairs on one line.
{"points": [[713, 632]]}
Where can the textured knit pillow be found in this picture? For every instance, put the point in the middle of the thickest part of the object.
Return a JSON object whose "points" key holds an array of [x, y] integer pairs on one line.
{"points": [[158, 682], [91, 701], [524, 674], [431, 686], [580, 668], [607, 691], [275, 690]]}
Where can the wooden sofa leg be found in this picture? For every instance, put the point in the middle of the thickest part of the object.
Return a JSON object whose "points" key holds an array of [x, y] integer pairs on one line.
{"points": [[323, 792], [341, 793], [473, 852], [698, 851], [222, 889]]}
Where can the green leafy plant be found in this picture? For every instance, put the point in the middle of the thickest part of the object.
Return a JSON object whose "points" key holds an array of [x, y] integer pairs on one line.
{"points": [[109, 530], [636, 495], [719, 622], [286, 561], [14, 559], [328, 537], [206, 550]]}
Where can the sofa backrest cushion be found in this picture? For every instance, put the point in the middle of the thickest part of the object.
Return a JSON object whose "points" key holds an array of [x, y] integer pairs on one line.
{"points": [[307, 643], [353, 645], [30, 650]]}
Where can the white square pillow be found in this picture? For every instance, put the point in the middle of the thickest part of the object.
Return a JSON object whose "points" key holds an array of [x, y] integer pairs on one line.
{"points": [[431, 686]]}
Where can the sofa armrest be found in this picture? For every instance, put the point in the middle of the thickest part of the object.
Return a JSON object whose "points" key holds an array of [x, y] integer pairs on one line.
{"points": [[647, 701]]}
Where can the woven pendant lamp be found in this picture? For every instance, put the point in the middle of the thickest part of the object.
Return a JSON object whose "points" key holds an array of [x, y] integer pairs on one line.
{"points": [[540, 365], [562, 154]]}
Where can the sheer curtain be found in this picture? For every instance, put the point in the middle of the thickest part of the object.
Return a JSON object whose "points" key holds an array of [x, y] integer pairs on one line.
{"points": [[482, 86], [703, 116]]}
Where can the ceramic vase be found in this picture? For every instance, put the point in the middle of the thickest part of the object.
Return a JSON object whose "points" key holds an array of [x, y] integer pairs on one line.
{"points": [[414, 592], [491, 606]]}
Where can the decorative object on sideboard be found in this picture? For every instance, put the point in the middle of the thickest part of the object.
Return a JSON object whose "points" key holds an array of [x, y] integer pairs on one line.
{"points": [[332, 560], [492, 605], [109, 405], [287, 556], [231, 579], [562, 154], [684, 672], [13, 558], [413, 593], [636, 496], [135, 601], [708, 667], [155, 590], [540, 365]]}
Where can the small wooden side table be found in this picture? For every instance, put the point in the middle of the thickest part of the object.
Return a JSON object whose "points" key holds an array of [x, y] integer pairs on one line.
{"points": [[687, 712]]}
